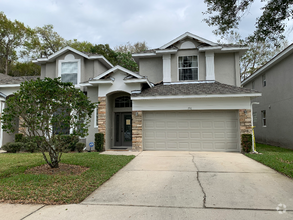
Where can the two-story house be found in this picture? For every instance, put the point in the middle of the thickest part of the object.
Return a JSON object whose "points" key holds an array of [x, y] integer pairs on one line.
{"points": [[272, 117], [186, 96]]}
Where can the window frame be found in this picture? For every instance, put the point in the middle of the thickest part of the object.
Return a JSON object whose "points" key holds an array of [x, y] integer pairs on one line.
{"points": [[70, 61], [264, 81], [264, 118], [96, 117], [178, 72]]}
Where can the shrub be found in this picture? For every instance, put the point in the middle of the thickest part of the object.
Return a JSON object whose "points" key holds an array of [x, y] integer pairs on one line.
{"points": [[80, 146], [30, 147], [18, 137], [246, 142], [99, 142], [69, 142], [12, 147]]}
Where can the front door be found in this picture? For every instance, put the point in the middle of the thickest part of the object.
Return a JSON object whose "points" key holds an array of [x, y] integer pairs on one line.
{"points": [[123, 129]]}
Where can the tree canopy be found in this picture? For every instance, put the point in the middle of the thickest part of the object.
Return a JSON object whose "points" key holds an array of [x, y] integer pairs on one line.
{"points": [[48, 109], [226, 15]]}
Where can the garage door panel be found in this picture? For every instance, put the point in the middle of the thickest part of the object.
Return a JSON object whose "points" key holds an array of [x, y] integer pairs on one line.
{"points": [[195, 135], [191, 130], [207, 135], [184, 135], [183, 146]]}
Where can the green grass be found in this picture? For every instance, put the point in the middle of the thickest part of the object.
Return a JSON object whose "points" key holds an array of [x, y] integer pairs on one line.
{"points": [[280, 159], [18, 187]]}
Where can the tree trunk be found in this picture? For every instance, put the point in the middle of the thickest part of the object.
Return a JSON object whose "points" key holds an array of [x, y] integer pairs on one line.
{"points": [[6, 66]]}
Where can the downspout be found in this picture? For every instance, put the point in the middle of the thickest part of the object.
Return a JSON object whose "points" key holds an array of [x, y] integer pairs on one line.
{"points": [[252, 126]]}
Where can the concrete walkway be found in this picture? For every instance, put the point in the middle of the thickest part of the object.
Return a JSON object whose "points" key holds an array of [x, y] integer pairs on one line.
{"points": [[178, 185]]}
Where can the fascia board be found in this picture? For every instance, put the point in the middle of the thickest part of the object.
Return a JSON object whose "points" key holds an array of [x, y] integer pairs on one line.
{"points": [[143, 54], [166, 51], [198, 96], [210, 48], [100, 82], [9, 85], [138, 81], [269, 64]]}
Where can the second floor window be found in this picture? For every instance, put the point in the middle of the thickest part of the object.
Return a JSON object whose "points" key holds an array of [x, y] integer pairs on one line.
{"points": [[188, 68], [264, 82], [69, 72]]}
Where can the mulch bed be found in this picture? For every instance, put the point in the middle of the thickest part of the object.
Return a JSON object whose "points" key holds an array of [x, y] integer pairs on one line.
{"points": [[64, 169]]}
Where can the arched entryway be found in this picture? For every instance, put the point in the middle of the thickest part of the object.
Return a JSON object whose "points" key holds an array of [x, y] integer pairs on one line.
{"points": [[120, 124]]}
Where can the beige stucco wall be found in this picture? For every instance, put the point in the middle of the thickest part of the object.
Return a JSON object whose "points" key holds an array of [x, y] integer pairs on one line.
{"points": [[50, 70], [225, 68], [152, 68], [191, 52]]}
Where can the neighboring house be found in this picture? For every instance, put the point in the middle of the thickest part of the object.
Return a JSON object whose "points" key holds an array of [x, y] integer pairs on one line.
{"points": [[272, 117], [186, 96]]}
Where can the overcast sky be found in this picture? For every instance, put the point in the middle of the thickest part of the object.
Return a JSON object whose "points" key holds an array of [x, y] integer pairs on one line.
{"points": [[118, 22]]}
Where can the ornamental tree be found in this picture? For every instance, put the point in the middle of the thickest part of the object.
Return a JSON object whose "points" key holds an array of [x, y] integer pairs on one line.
{"points": [[48, 110]]}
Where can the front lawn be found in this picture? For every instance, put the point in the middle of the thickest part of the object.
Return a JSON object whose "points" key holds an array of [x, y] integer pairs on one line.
{"points": [[280, 159], [18, 187]]}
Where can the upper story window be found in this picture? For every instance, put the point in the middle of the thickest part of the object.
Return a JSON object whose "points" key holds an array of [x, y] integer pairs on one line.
{"points": [[69, 69], [264, 82], [69, 72], [188, 68], [123, 102]]}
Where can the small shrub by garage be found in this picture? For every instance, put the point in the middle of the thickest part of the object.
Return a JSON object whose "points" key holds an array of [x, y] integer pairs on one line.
{"points": [[12, 147], [246, 142], [80, 146], [99, 142]]}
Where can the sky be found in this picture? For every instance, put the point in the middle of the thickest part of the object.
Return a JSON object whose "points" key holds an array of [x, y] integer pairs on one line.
{"points": [[117, 22]]}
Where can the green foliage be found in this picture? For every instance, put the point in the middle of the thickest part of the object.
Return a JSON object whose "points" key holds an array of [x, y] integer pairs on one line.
{"points": [[99, 142], [69, 142], [227, 14], [12, 147], [18, 137], [279, 159], [30, 147], [21, 187], [83, 46], [45, 105], [25, 69], [80, 146], [246, 142], [14, 35], [116, 58]]}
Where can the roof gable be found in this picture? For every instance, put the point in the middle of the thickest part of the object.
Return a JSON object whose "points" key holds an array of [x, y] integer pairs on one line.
{"points": [[185, 35], [51, 58], [114, 69]]}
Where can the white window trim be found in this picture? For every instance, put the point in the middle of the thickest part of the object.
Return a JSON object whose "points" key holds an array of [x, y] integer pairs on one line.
{"points": [[78, 69], [178, 78], [95, 116]]}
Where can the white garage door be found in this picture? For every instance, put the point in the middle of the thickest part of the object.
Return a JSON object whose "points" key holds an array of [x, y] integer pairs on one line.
{"points": [[191, 130]]}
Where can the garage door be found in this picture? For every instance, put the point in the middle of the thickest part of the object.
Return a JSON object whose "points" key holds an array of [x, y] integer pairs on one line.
{"points": [[191, 130]]}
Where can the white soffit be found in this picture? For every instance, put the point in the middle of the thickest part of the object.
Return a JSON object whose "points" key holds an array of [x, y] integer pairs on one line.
{"points": [[9, 85]]}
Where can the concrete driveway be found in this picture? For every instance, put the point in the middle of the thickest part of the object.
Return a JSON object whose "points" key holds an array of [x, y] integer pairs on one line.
{"points": [[184, 185]]}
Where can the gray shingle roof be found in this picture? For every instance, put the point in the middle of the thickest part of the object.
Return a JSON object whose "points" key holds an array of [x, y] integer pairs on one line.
{"points": [[193, 89], [17, 80]]}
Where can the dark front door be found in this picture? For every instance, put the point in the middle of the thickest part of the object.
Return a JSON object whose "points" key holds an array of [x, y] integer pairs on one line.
{"points": [[123, 129]]}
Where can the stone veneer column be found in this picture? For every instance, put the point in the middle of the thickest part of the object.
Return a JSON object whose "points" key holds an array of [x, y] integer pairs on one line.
{"points": [[21, 129], [245, 121], [137, 130], [102, 115]]}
